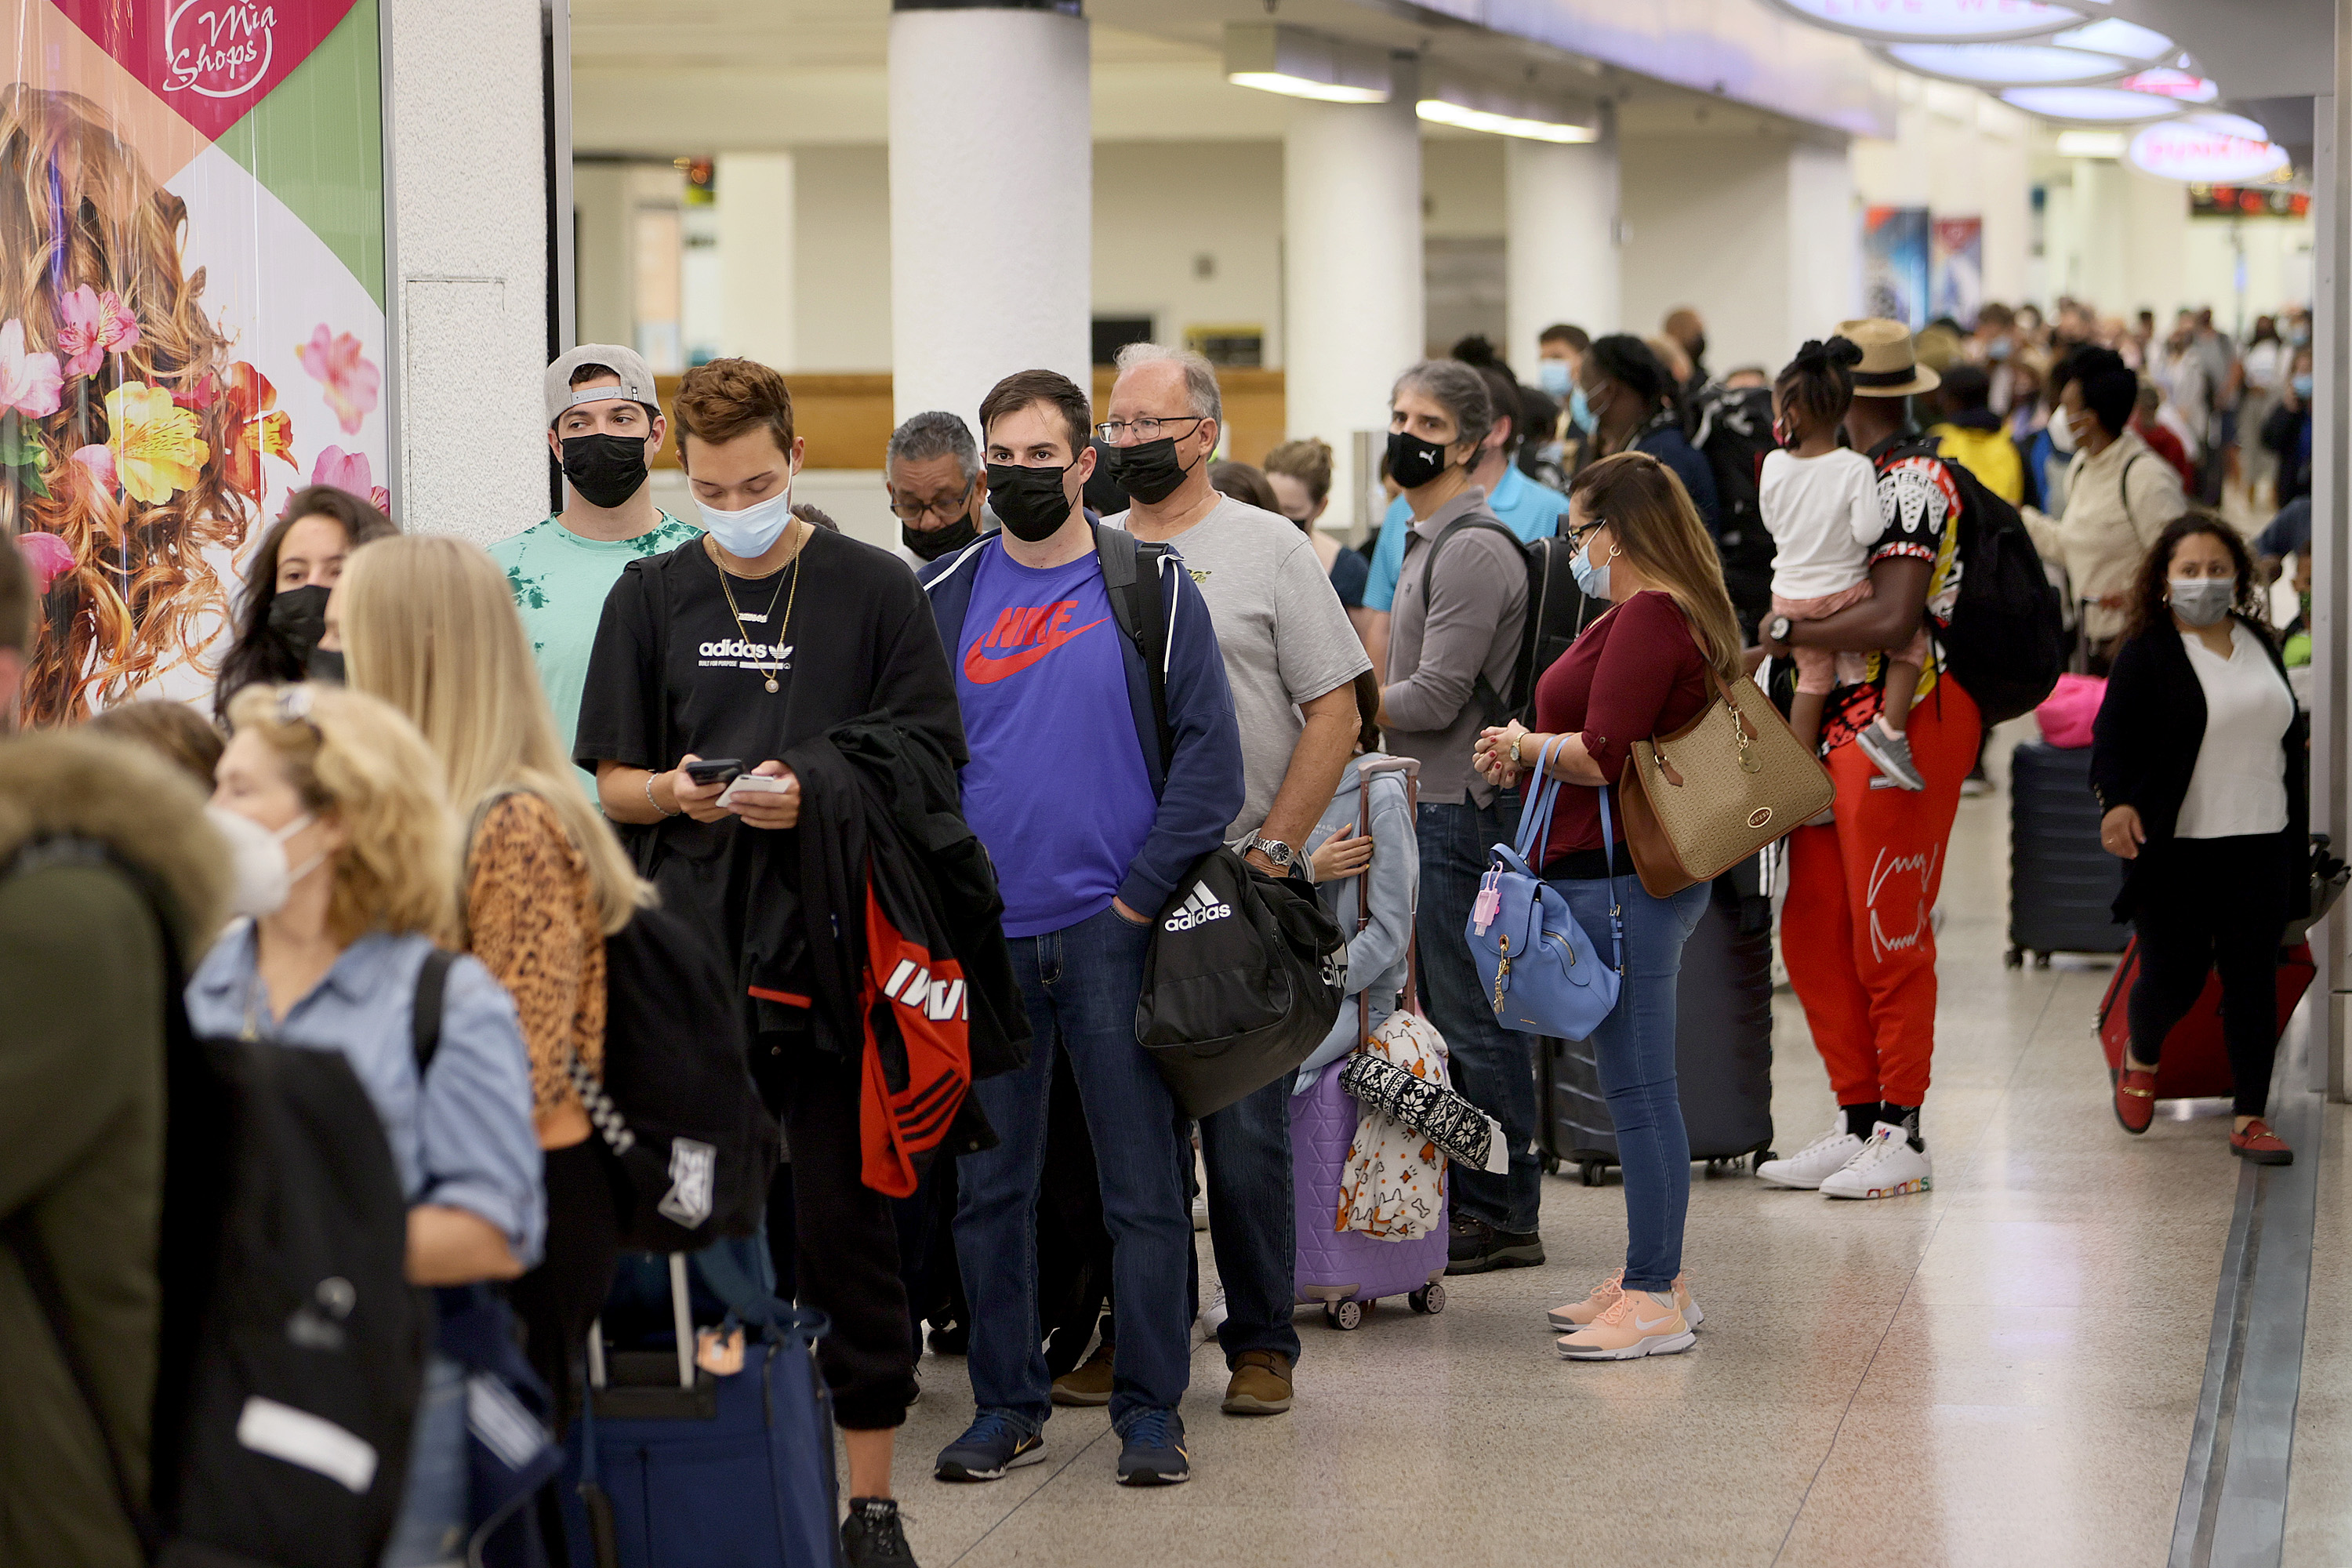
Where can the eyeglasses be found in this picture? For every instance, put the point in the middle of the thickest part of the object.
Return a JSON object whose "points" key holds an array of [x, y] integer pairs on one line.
{"points": [[1577, 536], [945, 506], [1116, 431]]}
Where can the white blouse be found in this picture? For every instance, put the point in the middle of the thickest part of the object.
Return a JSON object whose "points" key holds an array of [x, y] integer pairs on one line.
{"points": [[2239, 785]]}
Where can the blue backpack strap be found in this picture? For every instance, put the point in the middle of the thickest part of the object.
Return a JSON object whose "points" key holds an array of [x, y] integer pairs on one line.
{"points": [[1616, 904]]}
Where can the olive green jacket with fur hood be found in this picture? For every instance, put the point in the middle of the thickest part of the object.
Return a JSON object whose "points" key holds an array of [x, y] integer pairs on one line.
{"points": [[81, 1118]]}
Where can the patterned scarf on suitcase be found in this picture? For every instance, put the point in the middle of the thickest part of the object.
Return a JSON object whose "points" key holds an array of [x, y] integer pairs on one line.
{"points": [[1412, 1122]]}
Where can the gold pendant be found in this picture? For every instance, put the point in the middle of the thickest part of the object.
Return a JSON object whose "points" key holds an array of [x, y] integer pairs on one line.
{"points": [[772, 683]]}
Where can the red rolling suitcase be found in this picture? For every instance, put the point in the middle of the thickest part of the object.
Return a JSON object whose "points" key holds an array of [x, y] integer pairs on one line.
{"points": [[2194, 1064]]}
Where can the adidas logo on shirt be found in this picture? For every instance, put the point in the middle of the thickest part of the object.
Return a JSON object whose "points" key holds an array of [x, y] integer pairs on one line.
{"points": [[1201, 907]]}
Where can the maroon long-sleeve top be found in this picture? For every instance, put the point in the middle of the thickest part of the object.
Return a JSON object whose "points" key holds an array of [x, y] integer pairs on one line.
{"points": [[1634, 674]]}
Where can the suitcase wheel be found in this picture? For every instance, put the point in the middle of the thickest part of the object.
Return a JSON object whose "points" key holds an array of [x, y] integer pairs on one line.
{"points": [[1551, 1164], [2013, 959], [1592, 1171], [1344, 1314], [2040, 960], [1428, 1300], [1762, 1155]]}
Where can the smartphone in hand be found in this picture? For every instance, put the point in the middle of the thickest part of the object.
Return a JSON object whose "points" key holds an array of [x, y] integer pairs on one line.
{"points": [[757, 783], [708, 771]]}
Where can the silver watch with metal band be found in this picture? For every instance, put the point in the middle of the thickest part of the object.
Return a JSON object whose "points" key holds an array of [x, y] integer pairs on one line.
{"points": [[1274, 850]]}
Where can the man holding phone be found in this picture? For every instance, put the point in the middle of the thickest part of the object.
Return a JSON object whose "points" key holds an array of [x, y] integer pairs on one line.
{"points": [[713, 660]]}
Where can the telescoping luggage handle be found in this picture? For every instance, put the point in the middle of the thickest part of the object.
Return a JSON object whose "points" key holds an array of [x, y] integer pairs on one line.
{"points": [[1410, 1001]]}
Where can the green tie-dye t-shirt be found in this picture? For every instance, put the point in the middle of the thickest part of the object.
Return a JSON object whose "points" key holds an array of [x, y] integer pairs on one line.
{"points": [[560, 581]]}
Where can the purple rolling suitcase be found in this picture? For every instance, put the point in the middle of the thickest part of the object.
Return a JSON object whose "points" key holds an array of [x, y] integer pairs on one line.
{"points": [[1345, 1269]]}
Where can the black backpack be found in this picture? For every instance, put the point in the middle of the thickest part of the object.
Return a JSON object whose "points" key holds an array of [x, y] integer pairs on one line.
{"points": [[1557, 611], [2007, 640], [1734, 433], [1243, 978], [1131, 570], [292, 1348]]}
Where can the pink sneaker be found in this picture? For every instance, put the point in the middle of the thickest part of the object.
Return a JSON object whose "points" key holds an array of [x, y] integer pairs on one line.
{"points": [[1636, 1325], [1581, 1314]]}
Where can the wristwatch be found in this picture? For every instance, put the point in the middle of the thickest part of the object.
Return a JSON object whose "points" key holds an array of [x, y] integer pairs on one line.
{"points": [[1777, 628], [1516, 761], [1274, 850]]}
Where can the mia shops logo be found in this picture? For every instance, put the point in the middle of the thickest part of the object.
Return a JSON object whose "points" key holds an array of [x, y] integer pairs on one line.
{"points": [[1201, 906], [736, 647], [217, 49]]}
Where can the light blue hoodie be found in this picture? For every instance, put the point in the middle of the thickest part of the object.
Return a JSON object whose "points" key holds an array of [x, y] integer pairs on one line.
{"points": [[1376, 955]]}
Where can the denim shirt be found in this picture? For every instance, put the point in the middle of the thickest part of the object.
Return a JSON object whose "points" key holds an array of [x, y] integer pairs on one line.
{"points": [[471, 1143]]}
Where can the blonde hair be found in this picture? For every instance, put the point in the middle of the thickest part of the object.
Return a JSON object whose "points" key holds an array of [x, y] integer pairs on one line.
{"points": [[1658, 529], [428, 624], [355, 760], [1307, 461]]}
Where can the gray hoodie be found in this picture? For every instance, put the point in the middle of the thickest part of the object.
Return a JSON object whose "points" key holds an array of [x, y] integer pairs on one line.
{"points": [[1376, 955]]}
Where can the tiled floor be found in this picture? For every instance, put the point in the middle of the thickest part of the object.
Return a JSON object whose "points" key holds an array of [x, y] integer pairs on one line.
{"points": [[2004, 1369]]}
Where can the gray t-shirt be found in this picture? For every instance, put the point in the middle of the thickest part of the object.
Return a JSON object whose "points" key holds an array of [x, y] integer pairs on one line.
{"points": [[1285, 638]]}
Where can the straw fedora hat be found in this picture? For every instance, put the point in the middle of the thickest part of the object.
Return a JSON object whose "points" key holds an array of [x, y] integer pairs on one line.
{"points": [[1890, 366]]}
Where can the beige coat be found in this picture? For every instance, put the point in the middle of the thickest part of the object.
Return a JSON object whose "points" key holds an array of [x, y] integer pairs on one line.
{"points": [[2117, 505]]}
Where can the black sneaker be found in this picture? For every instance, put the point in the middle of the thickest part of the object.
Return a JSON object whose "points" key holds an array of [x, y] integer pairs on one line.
{"points": [[991, 1446], [1476, 1246], [1154, 1452], [873, 1536]]}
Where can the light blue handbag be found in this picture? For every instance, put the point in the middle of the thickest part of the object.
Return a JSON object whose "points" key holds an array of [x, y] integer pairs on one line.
{"points": [[1540, 972]]}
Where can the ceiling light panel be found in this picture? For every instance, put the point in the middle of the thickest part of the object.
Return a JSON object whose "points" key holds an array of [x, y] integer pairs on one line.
{"points": [[1273, 57], [1936, 21], [2009, 65]]}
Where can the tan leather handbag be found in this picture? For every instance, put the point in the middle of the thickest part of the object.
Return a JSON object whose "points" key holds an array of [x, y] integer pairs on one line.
{"points": [[1733, 780]]}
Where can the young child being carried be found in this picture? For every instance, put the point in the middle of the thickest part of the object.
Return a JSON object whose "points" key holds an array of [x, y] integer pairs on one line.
{"points": [[1819, 502]]}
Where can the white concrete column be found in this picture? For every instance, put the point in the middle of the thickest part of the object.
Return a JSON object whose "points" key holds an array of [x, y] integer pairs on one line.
{"points": [[1824, 237], [992, 162], [1559, 205], [755, 196], [2102, 270], [1351, 270]]}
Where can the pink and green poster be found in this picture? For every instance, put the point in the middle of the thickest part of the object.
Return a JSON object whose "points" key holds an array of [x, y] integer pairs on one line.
{"points": [[192, 314]]}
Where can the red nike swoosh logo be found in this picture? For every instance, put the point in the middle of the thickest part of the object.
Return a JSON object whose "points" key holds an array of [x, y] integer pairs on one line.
{"points": [[980, 669]]}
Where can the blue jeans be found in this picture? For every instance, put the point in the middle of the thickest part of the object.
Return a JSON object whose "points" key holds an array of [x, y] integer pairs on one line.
{"points": [[1493, 1067], [1245, 1149], [1635, 1049], [1080, 984], [431, 1528]]}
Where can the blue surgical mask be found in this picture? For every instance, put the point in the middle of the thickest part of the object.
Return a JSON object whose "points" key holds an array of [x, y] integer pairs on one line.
{"points": [[1579, 413], [2302, 386], [1591, 581], [1551, 374], [749, 534]]}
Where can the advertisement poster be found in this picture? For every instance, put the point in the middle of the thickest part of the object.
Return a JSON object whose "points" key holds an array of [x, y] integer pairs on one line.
{"points": [[1956, 270], [192, 315], [1895, 264]]}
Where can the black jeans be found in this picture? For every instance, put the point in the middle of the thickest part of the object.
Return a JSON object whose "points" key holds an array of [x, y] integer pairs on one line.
{"points": [[2210, 904]]}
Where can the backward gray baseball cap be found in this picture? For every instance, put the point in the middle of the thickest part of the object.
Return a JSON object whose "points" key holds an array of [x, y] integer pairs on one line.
{"points": [[637, 380]]}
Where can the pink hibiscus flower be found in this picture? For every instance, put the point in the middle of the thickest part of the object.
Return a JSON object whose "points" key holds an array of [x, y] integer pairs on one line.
{"points": [[337, 365], [95, 326], [98, 462], [29, 383], [49, 557], [351, 471]]}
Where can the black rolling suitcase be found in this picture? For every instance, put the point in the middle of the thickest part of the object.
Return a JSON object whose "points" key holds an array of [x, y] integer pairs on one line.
{"points": [[2061, 883], [1723, 1046]]}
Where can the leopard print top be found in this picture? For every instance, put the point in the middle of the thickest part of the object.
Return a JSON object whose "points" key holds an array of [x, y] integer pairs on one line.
{"points": [[531, 912]]}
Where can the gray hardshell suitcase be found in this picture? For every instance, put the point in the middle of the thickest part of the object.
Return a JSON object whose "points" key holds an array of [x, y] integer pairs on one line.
{"points": [[1723, 1046], [2061, 883]]}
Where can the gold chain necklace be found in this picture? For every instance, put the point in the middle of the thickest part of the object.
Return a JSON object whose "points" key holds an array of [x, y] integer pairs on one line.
{"points": [[794, 565]]}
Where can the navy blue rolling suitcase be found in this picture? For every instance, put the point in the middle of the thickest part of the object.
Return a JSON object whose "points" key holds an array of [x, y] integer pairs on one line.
{"points": [[2061, 882], [671, 1467]]}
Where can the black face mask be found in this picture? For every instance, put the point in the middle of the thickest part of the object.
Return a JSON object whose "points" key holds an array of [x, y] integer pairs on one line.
{"points": [[1029, 502], [605, 470], [298, 618], [1699, 349], [326, 664], [1148, 470], [1413, 462], [939, 541]]}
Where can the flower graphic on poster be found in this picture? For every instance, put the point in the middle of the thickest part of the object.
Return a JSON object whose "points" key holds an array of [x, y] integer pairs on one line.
{"points": [[29, 383], [98, 462], [158, 451], [257, 427], [49, 557], [93, 327], [337, 365], [351, 471]]}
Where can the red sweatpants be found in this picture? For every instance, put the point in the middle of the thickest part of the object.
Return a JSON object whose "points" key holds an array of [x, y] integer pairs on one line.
{"points": [[1855, 932]]}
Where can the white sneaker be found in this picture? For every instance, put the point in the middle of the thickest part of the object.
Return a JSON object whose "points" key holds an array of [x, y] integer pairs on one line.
{"points": [[1199, 1213], [1214, 1313], [1814, 1163], [1887, 1167]]}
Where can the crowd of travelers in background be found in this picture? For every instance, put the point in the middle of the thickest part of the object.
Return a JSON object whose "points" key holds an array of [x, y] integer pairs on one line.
{"points": [[894, 855]]}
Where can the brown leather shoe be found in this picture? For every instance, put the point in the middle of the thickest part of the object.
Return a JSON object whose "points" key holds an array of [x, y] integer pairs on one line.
{"points": [[2260, 1146], [1088, 1384], [2135, 1098], [1261, 1385]]}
